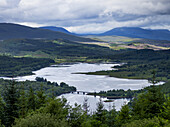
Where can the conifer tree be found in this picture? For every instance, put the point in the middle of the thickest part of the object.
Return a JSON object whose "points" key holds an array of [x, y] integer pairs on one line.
{"points": [[111, 117], [124, 114], [150, 103], [22, 102], [100, 112], [41, 97], [11, 99], [2, 106], [86, 106], [31, 99]]}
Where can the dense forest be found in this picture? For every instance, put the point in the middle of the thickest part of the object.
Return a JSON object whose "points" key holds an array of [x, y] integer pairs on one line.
{"points": [[20, 108], [12, 67], [140, 65], [50, 88], [58, 50]]}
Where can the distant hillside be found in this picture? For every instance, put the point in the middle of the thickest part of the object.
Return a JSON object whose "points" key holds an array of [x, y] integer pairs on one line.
{"points": [[136, 32], [54, 49], [58, 29], [15, 31]]}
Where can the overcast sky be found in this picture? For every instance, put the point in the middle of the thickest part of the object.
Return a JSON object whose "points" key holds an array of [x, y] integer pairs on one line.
{"points": [[87, 16]]}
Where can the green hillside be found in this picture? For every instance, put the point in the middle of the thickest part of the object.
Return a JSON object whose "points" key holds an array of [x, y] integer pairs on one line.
{"points": [[140, 64], [10, 66], [54, 49]]}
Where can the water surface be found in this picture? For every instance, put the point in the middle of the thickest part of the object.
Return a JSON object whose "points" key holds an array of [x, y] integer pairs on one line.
{"points": [[89, 83]]}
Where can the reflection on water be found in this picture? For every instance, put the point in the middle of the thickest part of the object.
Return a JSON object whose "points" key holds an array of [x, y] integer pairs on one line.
{"points": [[83, 82], [92, 101]]}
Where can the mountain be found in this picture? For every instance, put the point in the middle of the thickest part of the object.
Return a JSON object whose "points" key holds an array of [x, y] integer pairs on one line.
{"points": [[136, 32], [58, 29], [15, 31]]}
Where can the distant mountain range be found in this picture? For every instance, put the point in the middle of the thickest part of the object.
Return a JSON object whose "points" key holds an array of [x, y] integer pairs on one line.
{"points": [[15, 31], [134, 32]]}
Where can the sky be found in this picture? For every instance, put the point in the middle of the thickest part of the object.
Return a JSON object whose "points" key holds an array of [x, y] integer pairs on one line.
{"points": [[87, 16]]}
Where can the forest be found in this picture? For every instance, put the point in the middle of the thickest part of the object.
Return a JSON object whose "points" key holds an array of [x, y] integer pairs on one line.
{"points": [[21, 108], [34, 103], [120, 93], [140, 64], [12, 67]]}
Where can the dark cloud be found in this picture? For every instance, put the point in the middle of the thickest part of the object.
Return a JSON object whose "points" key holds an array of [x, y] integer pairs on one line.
{"points": [[87, 15]]}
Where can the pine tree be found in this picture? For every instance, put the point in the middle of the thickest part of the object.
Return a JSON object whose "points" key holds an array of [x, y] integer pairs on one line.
{"points": [[11, 99], [124, 114], [100, 112], [31, 99], [111, 117], [22, 102], [2, 106], [41, 97], [150, 103], [86, 106]]}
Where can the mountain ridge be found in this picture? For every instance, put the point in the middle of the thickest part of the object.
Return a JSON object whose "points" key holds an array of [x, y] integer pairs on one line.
{"points": [[137, 32], [134, 32], [16, 31]]}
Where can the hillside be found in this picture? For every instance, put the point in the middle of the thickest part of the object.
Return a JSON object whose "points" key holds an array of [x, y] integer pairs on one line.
{"points": [[15, 31], [136, 32], [140, 65], [54, 49], [10, 66], [58, 29], [122, 42]]}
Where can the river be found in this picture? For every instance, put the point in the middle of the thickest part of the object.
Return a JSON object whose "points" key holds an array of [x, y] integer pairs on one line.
{"points": [[89, 83]]}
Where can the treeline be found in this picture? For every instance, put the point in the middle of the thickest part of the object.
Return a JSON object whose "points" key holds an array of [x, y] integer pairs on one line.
{"points": [[116, 94], [120, 93], [35, 109], [139, 56], [11, 66], [50, 88], [140, 64]]}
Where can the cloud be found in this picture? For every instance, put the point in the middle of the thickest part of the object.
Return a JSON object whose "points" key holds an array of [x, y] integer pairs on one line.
{"points": [[87, 15]]}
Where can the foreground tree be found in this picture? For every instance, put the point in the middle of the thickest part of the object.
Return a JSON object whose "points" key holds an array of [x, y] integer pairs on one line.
{"points": [[22, 102], [111, 117], [150, 103], [86, 106], [124, 115], [31, 99], [11, 95], [101, 112]]}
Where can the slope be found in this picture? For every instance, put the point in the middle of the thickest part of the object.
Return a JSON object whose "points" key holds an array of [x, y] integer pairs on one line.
{"points": [[58, 29], [55, 49], [15, 31]]}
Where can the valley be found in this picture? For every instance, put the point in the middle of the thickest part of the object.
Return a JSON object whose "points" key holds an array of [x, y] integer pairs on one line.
{"points": [[40, 65]]}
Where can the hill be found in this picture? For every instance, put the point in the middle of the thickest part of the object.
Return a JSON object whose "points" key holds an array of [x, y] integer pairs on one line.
{"points": [[136, 32], [58, 29], [55, 49], [15, 31]]}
